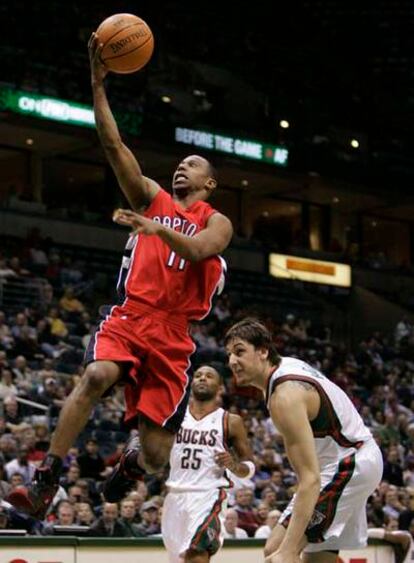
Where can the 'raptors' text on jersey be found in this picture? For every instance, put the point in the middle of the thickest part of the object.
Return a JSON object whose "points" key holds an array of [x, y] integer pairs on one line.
{"points": [[154, 275], [192, 457]]}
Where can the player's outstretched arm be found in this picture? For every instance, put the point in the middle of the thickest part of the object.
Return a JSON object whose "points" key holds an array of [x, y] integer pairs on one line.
{"points": [[138, 189], [240, 464], [208, 242], [289, 413]]}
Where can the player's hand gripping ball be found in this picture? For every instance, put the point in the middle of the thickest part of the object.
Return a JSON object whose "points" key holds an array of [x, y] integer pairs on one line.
{"points": [[127, 43]]}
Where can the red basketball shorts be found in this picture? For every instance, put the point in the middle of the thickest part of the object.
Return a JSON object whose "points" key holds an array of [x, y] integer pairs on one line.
{"points": [[156, 347]]}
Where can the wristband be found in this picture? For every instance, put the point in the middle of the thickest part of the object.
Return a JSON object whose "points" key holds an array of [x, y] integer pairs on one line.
{"points": [[252, 469], [376, 533]]}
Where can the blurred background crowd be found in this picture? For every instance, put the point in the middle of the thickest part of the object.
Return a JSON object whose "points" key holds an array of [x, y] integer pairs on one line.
{"points": [[41, 351]]}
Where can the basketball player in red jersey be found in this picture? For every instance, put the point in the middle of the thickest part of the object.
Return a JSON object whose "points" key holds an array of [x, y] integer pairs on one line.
{"points": [[169, 274]]}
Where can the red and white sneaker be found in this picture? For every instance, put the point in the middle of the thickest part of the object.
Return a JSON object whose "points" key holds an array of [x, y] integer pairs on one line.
{"points": [[36, 499]]}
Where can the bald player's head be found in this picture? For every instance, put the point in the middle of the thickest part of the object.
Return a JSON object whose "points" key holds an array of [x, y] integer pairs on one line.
{"points": [[206, 383]]}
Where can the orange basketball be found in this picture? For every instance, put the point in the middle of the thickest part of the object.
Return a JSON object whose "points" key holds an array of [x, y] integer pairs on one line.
{"points": [[127, 43]]}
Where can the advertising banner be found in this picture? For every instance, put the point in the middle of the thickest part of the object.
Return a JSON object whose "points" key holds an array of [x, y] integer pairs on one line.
{"points": [[37, 554]]}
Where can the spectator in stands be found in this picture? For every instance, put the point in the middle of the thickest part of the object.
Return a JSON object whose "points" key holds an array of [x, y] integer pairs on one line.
{"points": [[47, 297], [18, 521], [17, 267], [408, 474], [12, 411], [7, 387], [71, 273], [150, 521], [65, 516], [261, 478], [21, 465], [71, 457], [138, 499], [289, 326], [84, 325], [28, 438], [38, 260], [366, 415], [221, 309], [406, 516], [206, 343], [75, 493], [276, 483], [264, 531], [57, 326], [42, 436], [393, 472], [90, 462], [5, 270], [25, 336], [88, 490], [8, 447], [245, 509], [270, 460], [70, 304], [71, 476], [85, 515], [262, 512], [128, 515], [230, 528], [49, 393], [49, 343], [269, 497], [393, 506], [402, 331], [16, 480], [375, 512], [389, 432], [46, 370], [6, 338], [108, 525], [22, 375]]}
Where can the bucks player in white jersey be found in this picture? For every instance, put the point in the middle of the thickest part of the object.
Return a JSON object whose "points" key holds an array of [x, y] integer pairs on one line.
{"points": [[336, 460], [210, 443]]}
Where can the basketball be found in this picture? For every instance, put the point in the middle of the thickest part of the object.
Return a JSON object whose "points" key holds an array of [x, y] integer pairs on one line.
{"points": [[127, 43]]}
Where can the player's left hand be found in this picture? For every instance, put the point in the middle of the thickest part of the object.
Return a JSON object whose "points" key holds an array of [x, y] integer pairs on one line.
{"points": [[139, 223], [225, 459]]}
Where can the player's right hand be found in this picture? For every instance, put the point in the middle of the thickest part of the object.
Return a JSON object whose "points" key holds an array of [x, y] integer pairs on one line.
{"points": [[136, 221], [98, 69]]}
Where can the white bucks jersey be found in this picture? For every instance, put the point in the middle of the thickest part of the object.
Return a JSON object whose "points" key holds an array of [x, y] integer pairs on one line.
{"points": [[338, 429], [192, 465]]}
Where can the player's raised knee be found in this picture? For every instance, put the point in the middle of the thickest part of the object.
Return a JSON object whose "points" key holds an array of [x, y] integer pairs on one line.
{"points": [[96, 379], [154, 461]]}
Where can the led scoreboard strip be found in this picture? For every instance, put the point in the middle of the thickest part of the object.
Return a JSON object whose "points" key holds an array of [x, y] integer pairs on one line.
{"points": [[64, 111], [243, 148]]}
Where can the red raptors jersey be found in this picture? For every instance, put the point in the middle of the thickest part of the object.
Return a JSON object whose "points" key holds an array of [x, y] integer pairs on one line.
{"points": [[154, 275]]}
